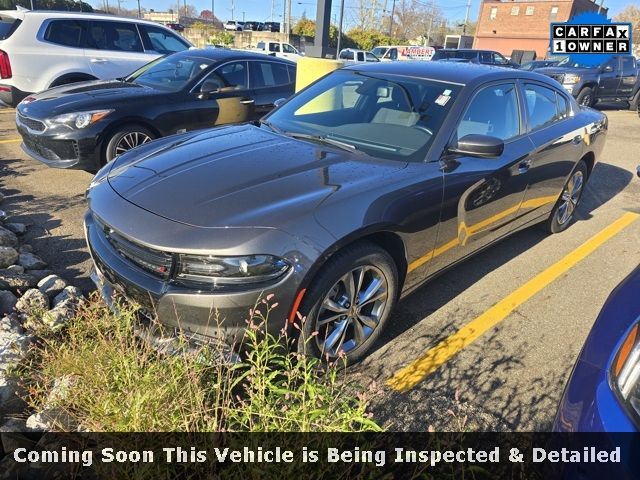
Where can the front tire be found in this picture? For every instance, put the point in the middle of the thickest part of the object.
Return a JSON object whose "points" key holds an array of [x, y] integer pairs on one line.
{"points": [[585, 97], [348, 304], [564, 210], [125, 139], [633, 103]]}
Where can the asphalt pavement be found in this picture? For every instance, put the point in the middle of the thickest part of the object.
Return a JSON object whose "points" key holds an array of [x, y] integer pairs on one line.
{"points": [[488, 345]]}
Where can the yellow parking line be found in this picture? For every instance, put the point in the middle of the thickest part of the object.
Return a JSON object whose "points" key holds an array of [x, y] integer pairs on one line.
{"points": [[7, 110], [409, 376], [11, 140]]}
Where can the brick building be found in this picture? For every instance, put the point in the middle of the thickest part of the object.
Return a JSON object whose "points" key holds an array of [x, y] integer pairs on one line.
{"points": [[510, 25]]}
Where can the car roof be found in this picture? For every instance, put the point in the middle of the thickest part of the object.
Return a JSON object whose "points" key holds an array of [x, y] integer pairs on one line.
{"points": [[229, 54], [451, 72]]}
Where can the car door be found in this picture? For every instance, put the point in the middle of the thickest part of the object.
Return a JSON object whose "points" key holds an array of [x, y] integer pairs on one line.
{"points": [[115, 49], [609, 80], [628, 76], [482, 195], [269, 81], [230, 104], [558, 143]]}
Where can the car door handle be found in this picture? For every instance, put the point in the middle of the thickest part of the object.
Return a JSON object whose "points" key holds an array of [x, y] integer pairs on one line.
{"points": [[99, 60], [247, 102], [523, 167], [577, 140]]}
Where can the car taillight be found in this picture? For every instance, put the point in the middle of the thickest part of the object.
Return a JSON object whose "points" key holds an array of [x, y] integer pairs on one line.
{"points": [[5, 65]]}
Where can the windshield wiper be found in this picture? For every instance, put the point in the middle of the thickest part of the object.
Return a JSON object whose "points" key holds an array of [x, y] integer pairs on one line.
{"points": [[271, 126], [324, 139]]}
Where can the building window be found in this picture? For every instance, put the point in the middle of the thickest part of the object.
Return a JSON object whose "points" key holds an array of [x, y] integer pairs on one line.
{"points": [[515, 10], [530, 10], [494, 13], [554, 13]]}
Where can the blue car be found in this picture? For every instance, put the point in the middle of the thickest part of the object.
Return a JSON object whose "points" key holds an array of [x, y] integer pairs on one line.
{"points": [[603, 393]]}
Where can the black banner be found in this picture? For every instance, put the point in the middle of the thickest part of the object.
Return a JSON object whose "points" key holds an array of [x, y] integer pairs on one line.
{"points": [[520, 456]]}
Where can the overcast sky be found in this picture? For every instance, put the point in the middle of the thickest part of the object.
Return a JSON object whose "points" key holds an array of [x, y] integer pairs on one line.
{"points": [[260, 10]]}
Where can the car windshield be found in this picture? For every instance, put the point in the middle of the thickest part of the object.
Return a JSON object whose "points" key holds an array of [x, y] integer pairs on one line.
{"points": [[171, 73], [568, 63], [379, 51], [384, 116]]}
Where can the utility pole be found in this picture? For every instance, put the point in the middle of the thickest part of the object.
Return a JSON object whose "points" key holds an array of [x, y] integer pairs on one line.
{"points": [[466, 17], [393, 10], [139, 10], [285, 27], [600, 6], [273, 6], [433, 14], [185, 8], [289, 17], [233, 7], [340, 27], [243, 16], [213, 15]]}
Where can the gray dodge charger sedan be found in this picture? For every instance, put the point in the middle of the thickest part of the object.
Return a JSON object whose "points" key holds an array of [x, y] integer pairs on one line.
{"points": [[361, 187]]}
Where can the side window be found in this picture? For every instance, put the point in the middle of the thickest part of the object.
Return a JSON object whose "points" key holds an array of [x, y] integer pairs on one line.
{"points": [[493, 111], [114, 36], [499, 59], [564, 109], [613, 63], [268, 74], [292, 73], [65, 32], [274, 47], [393, 54], [161, 40], [541, 105], [486, 57], [371, 57], [286, 48], [628, 66], [234, 75]]}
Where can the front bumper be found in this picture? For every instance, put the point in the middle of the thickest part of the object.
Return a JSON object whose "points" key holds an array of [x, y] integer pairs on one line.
{"points": [[77, 149], [199, 315], [11, 95]]}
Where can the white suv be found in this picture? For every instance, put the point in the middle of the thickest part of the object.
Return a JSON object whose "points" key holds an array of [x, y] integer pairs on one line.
{"points": [[43, 49]]}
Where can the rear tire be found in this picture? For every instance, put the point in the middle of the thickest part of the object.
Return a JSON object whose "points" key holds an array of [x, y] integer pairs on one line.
{"points": [[348, 317], [585, 97], [125, 139], [564, 210]]}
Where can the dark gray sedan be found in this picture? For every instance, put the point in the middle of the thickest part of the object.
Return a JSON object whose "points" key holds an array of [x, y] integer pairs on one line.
{"points": [[357, 189]]}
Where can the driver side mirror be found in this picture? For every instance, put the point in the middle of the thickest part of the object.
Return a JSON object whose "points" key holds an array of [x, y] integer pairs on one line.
{"points": [[279, 102], [607, 68], [475, 145], [209, 87]]}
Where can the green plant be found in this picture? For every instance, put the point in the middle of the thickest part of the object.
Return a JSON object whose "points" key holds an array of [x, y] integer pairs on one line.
{"points": [[221, 37]]}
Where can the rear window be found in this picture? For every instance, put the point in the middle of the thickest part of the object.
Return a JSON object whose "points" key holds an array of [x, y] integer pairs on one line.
{"points": [[8, 25]]}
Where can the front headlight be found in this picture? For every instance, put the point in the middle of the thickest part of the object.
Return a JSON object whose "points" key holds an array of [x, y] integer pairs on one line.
{"points": [[626, 370], [571, 79], [78, 119], [225, 271]]}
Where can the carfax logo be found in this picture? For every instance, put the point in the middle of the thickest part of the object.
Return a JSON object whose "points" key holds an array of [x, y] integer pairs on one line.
{"points": [[590, 38]]}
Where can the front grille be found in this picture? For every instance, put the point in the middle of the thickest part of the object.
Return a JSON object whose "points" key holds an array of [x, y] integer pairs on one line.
{"points": [[52, 150], [32, 124], [153, 261], [559, 77]]}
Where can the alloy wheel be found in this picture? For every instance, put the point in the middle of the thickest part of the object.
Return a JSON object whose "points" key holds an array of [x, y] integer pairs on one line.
{"points": [[586, 101], [570, 197], [131, 140], [352, 310]]}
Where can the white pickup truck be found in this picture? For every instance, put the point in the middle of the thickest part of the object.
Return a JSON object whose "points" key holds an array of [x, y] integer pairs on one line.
{"points": [[278, 49]]}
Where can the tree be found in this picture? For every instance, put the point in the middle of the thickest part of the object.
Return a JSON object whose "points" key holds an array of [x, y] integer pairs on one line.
{"points": [[368, 39], [366, 14], [413, 19], [206, 15], [304, 27]]}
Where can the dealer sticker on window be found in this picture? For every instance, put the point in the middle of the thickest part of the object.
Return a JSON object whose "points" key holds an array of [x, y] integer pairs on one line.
{"points": [[444, 98]]}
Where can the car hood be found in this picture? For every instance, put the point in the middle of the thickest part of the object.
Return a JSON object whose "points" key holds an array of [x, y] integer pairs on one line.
{"points": [[82, 96], [240, 176], [558, 70]]}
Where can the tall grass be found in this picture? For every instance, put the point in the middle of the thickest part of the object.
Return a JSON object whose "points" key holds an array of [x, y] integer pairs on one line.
{"points": [[116, 382]]}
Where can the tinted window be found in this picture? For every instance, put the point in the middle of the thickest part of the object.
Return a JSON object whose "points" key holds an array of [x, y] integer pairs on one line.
{"points": [[114, 36], [268, 74], [486, 57], [493, 111], [171, 73], [564, 109], [162, 41], [65, 32], [346, 55], [541, 105], [234, 74], [8, 25], [292, 73], [394, 117], [628, 65], [274, 47]]}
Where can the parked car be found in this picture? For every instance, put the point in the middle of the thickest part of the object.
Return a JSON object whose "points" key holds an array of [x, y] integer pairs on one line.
{"points": [[361, 186], [234, 26], [351, 55], [389, 53], [255, 26], [617, 79], [278, 49], [44, 49], [603, 392], [486, 57], [535, 64], [88, 124], [176, 26], [271, 26]]}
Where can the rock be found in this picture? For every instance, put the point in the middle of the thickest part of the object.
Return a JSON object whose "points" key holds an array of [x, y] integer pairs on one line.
{"points": [[13, 425], [70, 292], [10, 280], [26, 248], [3, 215], [11, 402], [40, 274], [31, 262], [1, 197], [52, 285], [33, 301], [16, 268], [17, 228], [8, 256], [7, 302], [11, 323], [60, 315], [8, 238], [52, 416]]}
